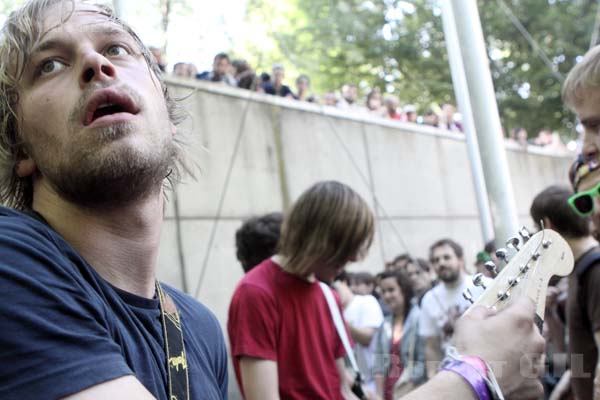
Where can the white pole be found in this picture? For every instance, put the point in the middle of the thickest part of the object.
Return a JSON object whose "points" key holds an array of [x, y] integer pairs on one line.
{"points": [[119, 8], [486, 118], [461, 91]]}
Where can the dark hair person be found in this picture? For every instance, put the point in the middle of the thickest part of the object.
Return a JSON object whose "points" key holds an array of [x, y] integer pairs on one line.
{"points": [[399, 351]]}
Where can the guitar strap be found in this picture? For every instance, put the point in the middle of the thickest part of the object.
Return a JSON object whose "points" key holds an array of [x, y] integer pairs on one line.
{"points": [[179, 385]]}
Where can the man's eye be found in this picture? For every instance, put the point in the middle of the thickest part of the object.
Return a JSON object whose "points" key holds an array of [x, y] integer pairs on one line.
{"points": [[116, 50], [591, 125], [49, 67]]}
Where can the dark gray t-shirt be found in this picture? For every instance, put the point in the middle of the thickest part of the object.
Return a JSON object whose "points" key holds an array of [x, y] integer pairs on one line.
{"points": [[64, 329]]}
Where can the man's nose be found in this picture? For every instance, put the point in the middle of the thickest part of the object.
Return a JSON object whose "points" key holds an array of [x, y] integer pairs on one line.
{"points": [[590, 145], [95, 67]]}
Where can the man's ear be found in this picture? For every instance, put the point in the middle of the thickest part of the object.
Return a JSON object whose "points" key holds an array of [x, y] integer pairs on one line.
{"points": [[25, 167], [547, 223], [173, 129]]}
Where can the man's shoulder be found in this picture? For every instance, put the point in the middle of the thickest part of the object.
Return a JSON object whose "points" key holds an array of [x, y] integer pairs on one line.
{"points": [[366, 301], [268, 88], [437, 290], [587, 262], [262, 277], [587, 274], [12, 219], [190, 306], [197, 319], [368, 311], [204, 75], [432, 297], [20, 231]]}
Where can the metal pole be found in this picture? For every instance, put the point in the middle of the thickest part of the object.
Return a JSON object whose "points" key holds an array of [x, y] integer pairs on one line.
{"points": [[461, 91], [119, 8], [486, 118]]}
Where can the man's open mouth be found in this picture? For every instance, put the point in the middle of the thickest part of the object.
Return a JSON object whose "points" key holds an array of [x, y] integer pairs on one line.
{"points": [[108, 101]]}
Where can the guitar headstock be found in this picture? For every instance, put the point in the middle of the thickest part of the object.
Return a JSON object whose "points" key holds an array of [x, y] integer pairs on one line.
{"points": [[528, 272]]}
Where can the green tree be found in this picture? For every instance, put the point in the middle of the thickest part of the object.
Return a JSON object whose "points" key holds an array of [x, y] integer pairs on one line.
{"points": [[371, 43], [399, 46], [527, 89]]}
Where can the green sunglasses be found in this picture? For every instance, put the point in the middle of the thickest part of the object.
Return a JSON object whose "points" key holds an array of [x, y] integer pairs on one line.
{"points": [[583, 202]]}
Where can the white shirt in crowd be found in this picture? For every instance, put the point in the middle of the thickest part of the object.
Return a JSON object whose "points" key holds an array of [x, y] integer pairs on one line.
{"points": [[442, 305], [364, 312]]}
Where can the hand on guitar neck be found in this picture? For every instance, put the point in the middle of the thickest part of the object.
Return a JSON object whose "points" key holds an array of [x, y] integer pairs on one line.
{"points": [[500, 327], [528, 273]]}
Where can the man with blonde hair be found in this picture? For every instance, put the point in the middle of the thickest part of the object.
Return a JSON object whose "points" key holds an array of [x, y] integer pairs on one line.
{"points": [[581, 93], [87, 142]]}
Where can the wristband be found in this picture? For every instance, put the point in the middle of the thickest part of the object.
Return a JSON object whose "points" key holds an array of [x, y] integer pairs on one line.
{"points": [[486, 373], [478, 364], [472, 375]]}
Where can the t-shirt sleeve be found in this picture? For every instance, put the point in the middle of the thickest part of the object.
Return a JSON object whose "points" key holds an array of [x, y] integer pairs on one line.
{"points": [[54, 339], [219, 355], [252, 324], [592, 282], [372, 316], [427, 323]]}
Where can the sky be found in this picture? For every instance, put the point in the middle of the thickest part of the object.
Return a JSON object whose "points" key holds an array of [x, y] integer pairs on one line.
{"points": [[195, 35]]}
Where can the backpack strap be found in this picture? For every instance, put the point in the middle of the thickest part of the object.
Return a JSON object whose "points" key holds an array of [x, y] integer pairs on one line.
{"points": [[589, 258], [583, 265]]}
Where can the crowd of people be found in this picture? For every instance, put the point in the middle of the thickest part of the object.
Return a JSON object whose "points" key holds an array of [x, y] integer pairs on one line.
{"points": [[403, 319], [238, 73], [89, 144]]}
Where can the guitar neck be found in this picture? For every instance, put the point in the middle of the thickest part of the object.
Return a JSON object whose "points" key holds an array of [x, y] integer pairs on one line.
{"points": [[528, 273]]}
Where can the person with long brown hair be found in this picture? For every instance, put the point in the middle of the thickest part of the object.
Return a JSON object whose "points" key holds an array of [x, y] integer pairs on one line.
{"points": [[283, 339], [400, 352]]}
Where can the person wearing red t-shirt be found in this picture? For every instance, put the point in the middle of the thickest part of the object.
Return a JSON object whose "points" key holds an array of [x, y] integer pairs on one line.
{"points": [[282, 335]]}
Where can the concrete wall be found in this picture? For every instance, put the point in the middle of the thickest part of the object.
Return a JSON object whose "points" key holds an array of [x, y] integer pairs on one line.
{"points": [[419, 177]]}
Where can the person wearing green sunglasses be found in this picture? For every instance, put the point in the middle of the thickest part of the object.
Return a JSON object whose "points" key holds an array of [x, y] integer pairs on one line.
{"points": [[553, 207], [581, 93], [583, 202]]}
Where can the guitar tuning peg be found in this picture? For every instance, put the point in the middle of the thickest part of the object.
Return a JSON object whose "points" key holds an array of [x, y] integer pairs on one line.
{"points": [[503, 295], [478, 281], [524, 233], [512, 281], [468, 295], [546, 243], [523, 268], [502, 254], [513, 242], [490, 266]]}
